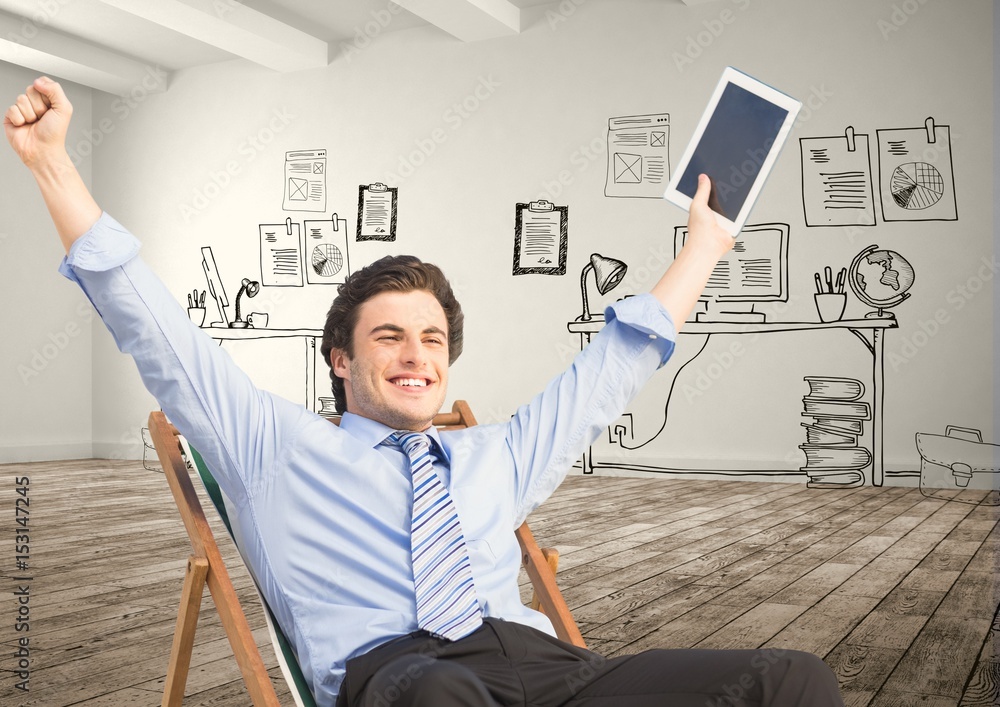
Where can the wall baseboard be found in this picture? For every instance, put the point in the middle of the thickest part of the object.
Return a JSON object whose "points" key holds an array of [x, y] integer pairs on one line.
{"points": [[119, 450], [61, 452], [47, 452]]}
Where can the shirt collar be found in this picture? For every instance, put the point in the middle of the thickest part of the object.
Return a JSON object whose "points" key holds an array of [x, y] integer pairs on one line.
{"points": [[372, 433]]}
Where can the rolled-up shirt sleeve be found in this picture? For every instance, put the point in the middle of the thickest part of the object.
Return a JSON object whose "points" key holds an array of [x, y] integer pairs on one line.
{"points": [[235, 426], [645, 315]]}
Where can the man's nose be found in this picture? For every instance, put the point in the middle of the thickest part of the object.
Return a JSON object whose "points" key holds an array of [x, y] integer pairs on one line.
{"points": [[413, 351]]}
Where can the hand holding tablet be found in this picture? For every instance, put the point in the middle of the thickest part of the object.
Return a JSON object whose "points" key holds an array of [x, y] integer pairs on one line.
{"points": [[736, 143]]}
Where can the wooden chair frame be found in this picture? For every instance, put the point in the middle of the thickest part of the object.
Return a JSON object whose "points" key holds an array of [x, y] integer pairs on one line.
{"points": [[206, 567]]}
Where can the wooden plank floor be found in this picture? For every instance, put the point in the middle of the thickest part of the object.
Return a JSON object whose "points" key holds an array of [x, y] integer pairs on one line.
{"points": [[897, 592]]}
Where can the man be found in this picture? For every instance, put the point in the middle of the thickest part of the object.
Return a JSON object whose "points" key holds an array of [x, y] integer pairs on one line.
{"points": [[386, 549]]}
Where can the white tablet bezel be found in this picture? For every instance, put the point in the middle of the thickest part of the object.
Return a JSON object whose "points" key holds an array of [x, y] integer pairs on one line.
{"points": [[772, 95]]}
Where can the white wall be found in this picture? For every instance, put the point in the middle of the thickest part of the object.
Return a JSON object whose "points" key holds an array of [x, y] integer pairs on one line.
{"points": [[45, 350], [545, 97]]}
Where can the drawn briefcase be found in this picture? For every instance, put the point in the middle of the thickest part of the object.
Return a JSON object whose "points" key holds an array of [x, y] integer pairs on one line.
{"points": [[957, 460]]}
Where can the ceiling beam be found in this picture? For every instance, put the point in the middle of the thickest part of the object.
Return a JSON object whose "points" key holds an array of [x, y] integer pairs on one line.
{"points": [[234, 28], [468, 20], [63, 57]]}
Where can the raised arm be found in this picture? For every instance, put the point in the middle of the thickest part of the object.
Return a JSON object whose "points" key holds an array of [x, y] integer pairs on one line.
{"points": [[547, 435], [238, 428], [682, 284], [36, 127]]}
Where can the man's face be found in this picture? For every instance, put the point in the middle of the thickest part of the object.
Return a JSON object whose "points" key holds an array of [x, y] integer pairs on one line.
{"points": [[399, 373]]}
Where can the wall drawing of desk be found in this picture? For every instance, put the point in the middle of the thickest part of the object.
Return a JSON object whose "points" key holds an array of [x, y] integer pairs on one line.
{"points": [[860, 328], [309, 336]]}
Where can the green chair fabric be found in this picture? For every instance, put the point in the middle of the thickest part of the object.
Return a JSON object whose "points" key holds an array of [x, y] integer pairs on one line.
{"points": [[287, 659]]}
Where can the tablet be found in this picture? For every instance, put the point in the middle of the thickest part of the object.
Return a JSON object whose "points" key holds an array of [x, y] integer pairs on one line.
{"points": [[736, 143]]}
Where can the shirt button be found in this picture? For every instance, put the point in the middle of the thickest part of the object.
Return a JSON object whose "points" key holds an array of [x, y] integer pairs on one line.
{"points": [[652, 336]]}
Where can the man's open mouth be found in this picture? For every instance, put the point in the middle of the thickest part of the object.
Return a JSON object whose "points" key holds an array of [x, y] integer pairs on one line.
{"points": [[410, 382]]}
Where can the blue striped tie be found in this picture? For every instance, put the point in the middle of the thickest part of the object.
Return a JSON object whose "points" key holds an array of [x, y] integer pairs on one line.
{"points": [[442, 574]]}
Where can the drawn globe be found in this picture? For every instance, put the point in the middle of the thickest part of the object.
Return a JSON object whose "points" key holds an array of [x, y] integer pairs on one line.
{"points": [[880, 278]]}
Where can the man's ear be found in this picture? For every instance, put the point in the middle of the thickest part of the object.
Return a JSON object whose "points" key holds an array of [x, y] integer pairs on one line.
{"points": [[340, 363]]}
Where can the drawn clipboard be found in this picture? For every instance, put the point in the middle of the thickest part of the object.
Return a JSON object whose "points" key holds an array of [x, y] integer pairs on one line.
{"points": [[376, 212], [540, 238]]}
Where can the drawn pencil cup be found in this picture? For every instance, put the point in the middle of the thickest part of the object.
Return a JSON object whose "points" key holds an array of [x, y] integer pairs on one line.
{"points": [[196, 307], [830, 305], [197, 315]]}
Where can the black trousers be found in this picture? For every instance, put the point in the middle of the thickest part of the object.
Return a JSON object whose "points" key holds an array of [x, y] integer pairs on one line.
{"points": [[505, 663]]}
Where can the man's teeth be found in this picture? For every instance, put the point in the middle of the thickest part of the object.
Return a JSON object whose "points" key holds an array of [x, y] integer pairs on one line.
{"points": [[420, 382]]}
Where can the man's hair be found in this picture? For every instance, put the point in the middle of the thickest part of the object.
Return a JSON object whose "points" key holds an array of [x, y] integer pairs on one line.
{"points": [[393, 273]]}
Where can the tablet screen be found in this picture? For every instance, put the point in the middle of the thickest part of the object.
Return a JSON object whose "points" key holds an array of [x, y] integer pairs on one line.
{"points": [[734, 146]]}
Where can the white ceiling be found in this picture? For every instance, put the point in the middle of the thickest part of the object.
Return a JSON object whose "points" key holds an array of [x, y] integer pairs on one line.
{"points": [[111, 45]]}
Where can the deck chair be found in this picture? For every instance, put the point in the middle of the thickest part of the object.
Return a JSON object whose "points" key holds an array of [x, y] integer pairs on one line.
{"points": [[206, 567]]}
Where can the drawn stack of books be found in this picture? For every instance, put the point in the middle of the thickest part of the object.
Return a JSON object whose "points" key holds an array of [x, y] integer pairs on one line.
{"points": [[834, 457]]}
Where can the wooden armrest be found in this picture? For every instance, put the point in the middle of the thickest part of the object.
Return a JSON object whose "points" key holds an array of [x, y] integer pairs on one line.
{"points": [[541, 566]]}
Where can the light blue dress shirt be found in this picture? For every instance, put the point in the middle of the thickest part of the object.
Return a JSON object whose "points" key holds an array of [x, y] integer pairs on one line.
{"points": [[323, 512]]}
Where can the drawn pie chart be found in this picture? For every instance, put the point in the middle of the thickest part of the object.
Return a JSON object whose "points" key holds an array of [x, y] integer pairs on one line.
{"points": [[327, 260], [916, 185]]}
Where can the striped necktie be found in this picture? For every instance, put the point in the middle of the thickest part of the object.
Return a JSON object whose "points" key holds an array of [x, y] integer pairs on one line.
{"points": [[442, 574]]}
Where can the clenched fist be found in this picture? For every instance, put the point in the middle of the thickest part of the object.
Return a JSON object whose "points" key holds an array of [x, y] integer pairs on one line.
{"points": [[37, 123]]}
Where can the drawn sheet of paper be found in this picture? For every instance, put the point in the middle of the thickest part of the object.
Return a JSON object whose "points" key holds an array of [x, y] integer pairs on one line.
{"points": [[305, 181], [326, 251], [280, 254], [916, 177], [376, 212], [837, 181], [638, 156], [540, 238]]}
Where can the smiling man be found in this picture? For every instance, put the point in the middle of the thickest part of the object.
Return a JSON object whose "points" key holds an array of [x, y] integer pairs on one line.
{"points": [[386, 549], [387, 342]]}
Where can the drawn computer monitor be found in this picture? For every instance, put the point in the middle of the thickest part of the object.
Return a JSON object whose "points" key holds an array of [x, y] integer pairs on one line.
{"points": [[215, 287], [754, 271]]}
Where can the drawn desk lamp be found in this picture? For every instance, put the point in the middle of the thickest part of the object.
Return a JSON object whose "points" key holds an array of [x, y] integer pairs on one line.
{"points": [[250, 288], [607, 271]]}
